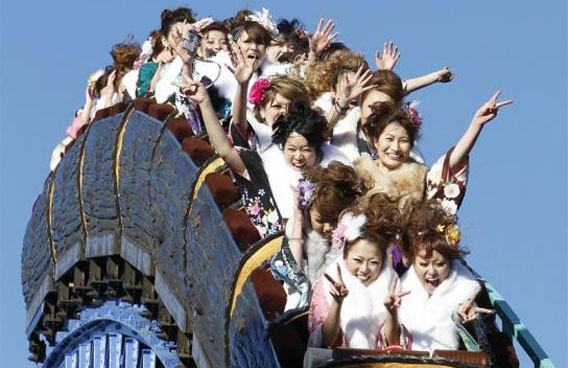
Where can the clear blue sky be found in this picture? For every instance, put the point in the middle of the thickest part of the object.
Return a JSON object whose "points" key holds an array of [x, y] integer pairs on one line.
{"points": [[515, 209]]}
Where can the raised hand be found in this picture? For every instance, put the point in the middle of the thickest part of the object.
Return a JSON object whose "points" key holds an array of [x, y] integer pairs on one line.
{"points": [[468, 312], [243, 67], [351, 89], [489, 110], [322, 38], [338, 289], [390, 57], [201, 24], [194, 90], [394, 298], [445, 75]]}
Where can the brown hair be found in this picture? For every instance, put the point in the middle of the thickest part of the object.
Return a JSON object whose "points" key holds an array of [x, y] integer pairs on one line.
{"points": [[171, 17], [383, 222], [338, 186], [288, 88], [323, 77], [254, 30], [389, 83], [216, 26], [424, 222], [383, 115], [123, 55], [157, 44]]}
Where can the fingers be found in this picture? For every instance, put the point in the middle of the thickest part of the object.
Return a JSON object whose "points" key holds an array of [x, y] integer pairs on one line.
{"points": [[329, 27], [329, 278], [339, 274], [393, 284], [503, 103], [320, 24], [471, 300], [404, 293], [483, 310]]}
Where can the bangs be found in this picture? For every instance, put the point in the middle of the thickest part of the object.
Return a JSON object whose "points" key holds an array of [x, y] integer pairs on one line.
{"points": [[257, 33]]}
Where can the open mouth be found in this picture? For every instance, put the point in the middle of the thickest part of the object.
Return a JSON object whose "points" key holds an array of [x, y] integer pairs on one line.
{"points": [[298, 165], [363, 278], [432, 282]]}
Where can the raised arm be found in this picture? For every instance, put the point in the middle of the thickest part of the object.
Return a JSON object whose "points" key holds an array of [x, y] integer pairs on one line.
{"points": [[331, 326], [243, 70], [347, 91], [391, 329], [320, 40], [485, 114], [197, 93], [390, 57], [443, 75]]}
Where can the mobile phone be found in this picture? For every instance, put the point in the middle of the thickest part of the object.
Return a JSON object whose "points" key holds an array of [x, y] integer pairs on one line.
{"points": [[191, 43]]}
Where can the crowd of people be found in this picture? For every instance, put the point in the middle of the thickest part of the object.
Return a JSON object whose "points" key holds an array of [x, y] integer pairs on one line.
{"points": [[323, 147]]}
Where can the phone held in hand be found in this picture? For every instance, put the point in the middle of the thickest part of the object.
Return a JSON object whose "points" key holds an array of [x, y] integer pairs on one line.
{"points": [[191, 43]]}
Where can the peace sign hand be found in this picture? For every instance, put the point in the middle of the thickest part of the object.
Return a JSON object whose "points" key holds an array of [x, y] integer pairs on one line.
{"points": [[390, 57], [488, 111], [338, 289], [468, 312], [322, 38], [351, 89], [394, 298]]}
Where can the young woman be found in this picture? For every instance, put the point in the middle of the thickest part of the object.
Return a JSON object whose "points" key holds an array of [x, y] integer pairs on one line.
{"points": [[149, 73], [307, 251], [347, 305], [441, 289]]}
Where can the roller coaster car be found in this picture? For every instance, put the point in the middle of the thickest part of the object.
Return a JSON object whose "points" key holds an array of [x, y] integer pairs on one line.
{"points": [[141, 222]]}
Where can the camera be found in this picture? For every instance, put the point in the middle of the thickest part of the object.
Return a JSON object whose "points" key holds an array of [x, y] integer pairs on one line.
{"points": [[191, 43]]}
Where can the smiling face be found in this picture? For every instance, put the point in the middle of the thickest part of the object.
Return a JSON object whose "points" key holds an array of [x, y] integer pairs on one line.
{"points": [[273, 109], [278, 50], [371, 98], [214, 42], [250, 49], [319, 225], [393, 146], [298, 153], [364, 261], [431, 271]]}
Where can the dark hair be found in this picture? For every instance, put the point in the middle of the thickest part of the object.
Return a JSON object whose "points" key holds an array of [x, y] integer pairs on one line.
{"points": [[157, 44], [290, 32], [333, 47], [254, 30], [425, 225], [338, 186], [383, 115], [216, 26], [101, 82], [170, 17], [304, 121]]}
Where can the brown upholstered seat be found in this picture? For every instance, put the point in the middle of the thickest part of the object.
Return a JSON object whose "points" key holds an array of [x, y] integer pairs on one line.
{"points": [[142, 104], [180, 128], [477, 358], [271, 294], [290, 338], [117, 108], [160, 111], [102, 113], [198, 150], [223, 189], [243, 231]]}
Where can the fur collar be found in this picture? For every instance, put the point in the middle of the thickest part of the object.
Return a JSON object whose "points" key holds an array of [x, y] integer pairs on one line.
{"points": [[428, 318], [362, 311], [319, 253], [407, 181]]}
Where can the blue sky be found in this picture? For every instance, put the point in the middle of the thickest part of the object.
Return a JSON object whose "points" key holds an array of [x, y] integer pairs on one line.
{"points": [[515, 211]]}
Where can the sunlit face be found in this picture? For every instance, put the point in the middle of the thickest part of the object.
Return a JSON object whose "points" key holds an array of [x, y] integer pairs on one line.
{"points": [[250, 49], [431, 271], [273, 109], [277, 51], [372, 97], [393, 146], [341, 80], [213, 42], [298, 153], [364, 261], [321, 226]]}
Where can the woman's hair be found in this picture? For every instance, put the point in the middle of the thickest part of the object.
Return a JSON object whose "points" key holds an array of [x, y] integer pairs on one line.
{"points": [[216, 26], [288, 88], [383, 115], [171, 17], [123, 55], [157, 44], [304, 121], [101, 82], [426, 227], [254, 30], [290, 32], [332, 49], [338, 186], [323, 77], [383, 222], [389, 83]]}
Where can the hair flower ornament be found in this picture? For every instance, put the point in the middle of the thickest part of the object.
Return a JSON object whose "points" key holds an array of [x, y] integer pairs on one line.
{"points": [[413, 113], [257, 90], [307, 192], [349, 228], [451, 232], [300, 33], [264, 18]]}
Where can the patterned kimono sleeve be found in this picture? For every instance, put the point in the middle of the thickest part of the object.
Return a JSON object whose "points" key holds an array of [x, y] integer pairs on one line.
{"points": [[405, 340], [448, 185], [319, 309], [284, 268]]}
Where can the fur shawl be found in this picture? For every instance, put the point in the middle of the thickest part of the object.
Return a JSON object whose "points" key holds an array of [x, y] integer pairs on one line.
{"points": [[428, 318], [407, 181]]}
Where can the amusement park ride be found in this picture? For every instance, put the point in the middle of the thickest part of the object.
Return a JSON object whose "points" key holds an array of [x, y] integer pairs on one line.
{"points": [[137, 254]]}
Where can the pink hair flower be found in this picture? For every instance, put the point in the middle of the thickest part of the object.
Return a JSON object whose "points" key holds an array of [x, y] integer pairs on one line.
{"points": [[338, 236], [257, 91], [414, 114]]}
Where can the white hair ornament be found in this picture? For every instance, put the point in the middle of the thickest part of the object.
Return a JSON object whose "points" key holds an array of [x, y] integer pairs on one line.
{"points": [[349, 228], [264, 18]]}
